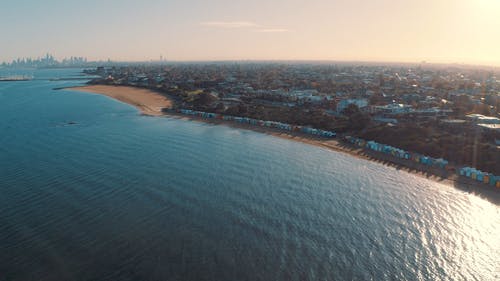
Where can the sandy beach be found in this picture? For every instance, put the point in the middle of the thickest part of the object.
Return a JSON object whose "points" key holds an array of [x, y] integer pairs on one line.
{"points": [[147, 101], [151, 103]]}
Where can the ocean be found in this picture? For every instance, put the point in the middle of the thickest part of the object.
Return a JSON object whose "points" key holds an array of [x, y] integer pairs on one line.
{"points": [[92, 190]]}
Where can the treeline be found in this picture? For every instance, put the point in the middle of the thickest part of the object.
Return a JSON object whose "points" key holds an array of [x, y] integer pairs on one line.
{"points": [[290, 115]]}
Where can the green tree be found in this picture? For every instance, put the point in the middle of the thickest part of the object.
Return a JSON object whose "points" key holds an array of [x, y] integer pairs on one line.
{"points": [[357, 119]]}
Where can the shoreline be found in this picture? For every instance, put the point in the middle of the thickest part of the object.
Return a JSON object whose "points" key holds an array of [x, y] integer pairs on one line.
{"points": [[147, 101], [151, 103]]}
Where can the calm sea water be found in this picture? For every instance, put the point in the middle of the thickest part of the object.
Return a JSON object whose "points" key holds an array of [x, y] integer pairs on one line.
{"points": [[119, 196]]}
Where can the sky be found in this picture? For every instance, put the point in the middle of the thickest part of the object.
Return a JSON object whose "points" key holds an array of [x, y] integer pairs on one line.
{"points": [[455, 31]]}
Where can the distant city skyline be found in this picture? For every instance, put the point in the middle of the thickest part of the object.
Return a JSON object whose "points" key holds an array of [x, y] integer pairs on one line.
{"points": [[436, 31]]}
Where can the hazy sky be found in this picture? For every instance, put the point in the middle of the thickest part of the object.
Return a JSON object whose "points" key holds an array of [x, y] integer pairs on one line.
{"points": [[463, 31]]}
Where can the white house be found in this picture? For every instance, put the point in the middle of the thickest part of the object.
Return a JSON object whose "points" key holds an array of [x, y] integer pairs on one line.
{"points": [[343, 104]]}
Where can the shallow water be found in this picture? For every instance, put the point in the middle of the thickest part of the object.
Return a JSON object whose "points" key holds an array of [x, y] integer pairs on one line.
{"points": [[120, 196]]}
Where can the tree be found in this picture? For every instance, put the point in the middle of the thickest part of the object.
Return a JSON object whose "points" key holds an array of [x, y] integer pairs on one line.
{"points": [[204, 99], [350, 110], [219, 108], [357, 119]]}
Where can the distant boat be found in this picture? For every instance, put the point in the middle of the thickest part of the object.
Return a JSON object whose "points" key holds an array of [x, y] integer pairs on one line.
{"points": [[16, 78]]}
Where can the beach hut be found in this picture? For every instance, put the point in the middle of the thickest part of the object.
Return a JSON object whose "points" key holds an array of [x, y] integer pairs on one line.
{"points": [[486, 178], [441, 163], [371, 145], [429, 161], [462, 171], [386, 149], [468, 172], [415, 157], [480, 176], [424, 160], [331, 134], [362, 143], [473, 174], [401, 154], [492, 180]]}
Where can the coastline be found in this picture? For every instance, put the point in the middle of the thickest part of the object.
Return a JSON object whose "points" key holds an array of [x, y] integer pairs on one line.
{"points": [[150, 103]]}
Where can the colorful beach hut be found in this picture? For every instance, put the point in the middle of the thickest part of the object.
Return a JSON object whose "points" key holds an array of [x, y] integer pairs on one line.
{"points": [[493, 180], [479, 176], [486, 178]]}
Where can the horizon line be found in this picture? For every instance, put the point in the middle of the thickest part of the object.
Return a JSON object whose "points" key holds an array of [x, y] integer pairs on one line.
{"points": [[353, 61]]}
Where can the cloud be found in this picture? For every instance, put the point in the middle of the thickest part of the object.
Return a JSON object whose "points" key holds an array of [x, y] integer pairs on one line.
{"points": [[248, 25], [272, 30], [229, 24]]}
